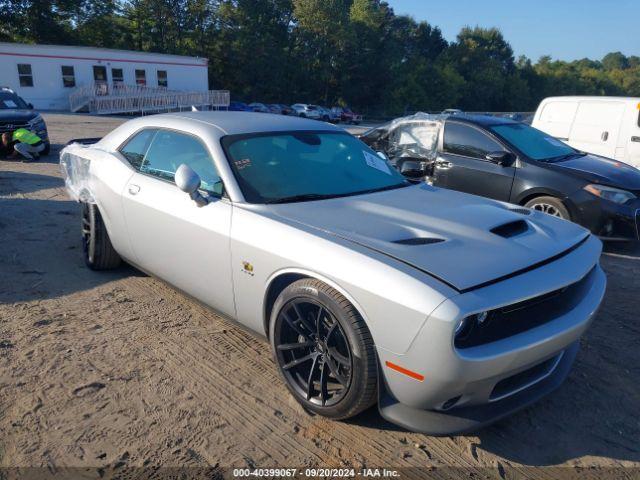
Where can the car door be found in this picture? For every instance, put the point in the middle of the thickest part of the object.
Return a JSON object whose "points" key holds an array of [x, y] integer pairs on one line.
{"points": [[462, 164], [632, 154], [171, 236], [597, 126]]}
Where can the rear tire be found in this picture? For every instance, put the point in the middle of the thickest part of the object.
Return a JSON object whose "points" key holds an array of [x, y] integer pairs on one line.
{"points": [[323, 350], [550, 205], [97, 250]]}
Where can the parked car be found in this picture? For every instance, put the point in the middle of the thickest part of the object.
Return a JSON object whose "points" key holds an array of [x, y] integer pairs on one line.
{"points": [[452, 111], [510, 161], [607, 126], [286, 109], [15, 113], [347, 115], [239, 107], [449, 310], [260, 107], [328, 115], [307, 111], [275, 108]]}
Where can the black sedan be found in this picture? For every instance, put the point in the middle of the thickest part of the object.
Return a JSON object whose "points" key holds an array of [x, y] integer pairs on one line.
{"points": [[510, 161]]}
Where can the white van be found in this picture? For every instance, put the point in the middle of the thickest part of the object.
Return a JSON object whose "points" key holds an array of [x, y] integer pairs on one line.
{"points": [[607, 126]]}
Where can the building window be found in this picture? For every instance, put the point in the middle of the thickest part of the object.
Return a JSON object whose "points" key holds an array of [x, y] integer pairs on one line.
{"points": [[117, 76], [68, 77], [141, 77], [162, 78], [25, 75]]}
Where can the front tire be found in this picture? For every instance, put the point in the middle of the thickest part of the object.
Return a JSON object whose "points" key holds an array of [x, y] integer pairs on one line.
{"points": [[323, 350], [550, 205], [97, 250]]}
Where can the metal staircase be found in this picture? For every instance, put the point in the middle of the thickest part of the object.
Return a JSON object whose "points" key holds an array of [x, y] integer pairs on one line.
{"points": [[108, 99]]}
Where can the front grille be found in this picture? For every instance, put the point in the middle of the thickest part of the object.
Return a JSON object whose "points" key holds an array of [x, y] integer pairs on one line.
{"points": [[8, 126], [522, 316], [520, 381]]}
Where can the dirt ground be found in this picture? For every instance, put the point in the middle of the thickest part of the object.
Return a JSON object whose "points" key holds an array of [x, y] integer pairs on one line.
{"points": [[116, 371]]}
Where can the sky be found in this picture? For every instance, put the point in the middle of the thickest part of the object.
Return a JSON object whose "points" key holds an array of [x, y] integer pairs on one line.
{"points": [[564, 29]]}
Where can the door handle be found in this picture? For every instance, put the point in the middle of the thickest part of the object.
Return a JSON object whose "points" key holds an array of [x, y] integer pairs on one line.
{"points": [[443, 164], [604, 136], [134, 189], [635, 139]]}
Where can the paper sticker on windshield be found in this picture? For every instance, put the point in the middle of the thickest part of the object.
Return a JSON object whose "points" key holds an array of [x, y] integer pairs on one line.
{"points": [[10, 104], [242, 164], [376, 162], [554, 142]]}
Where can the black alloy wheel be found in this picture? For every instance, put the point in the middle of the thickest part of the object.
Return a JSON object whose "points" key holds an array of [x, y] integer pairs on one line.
{"points": [[313, 352]]}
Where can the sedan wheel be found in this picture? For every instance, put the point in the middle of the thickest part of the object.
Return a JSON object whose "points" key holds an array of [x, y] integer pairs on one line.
{"points": [[549, 205], [323, 349]]}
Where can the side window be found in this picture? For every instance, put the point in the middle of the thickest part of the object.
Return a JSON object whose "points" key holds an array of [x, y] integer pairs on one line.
{"points": [[468, 141], [136, 148], [170, 149], [25, 75], [68, 76]]}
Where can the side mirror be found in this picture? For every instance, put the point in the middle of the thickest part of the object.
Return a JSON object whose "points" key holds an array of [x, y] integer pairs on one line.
{"points": [[501, 158], [413, 169], [30, 105], [189, 182]]}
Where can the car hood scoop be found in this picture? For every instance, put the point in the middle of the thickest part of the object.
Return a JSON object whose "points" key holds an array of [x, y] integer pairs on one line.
{"points": [[463, 240]]}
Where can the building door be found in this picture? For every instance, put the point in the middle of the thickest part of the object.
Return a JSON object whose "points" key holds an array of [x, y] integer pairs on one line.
{"points": [[100, 79]]}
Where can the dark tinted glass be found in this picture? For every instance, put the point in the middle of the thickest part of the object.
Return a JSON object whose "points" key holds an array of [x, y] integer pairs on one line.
{"points": [[136, 148], [532, 142], [169, 150], [24, 75], [468, 141]]}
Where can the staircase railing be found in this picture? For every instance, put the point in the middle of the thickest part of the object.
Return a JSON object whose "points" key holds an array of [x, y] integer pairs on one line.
{"points": [[103, 98]]}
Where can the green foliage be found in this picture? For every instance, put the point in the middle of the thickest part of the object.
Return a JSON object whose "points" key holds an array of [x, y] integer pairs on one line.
{"points": [[348, 52]]}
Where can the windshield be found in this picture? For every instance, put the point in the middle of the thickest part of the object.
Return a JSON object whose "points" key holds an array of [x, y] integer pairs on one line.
{"points": [[10, 101], [532, 142], [298, 166]]}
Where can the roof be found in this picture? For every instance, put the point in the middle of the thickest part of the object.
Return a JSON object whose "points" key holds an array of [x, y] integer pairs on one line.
{"points": [[86, 49], [233, 123], [484, 120], [576, 98]]}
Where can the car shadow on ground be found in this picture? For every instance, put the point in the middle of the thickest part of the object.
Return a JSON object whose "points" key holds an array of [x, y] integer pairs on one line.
{"points": [[41, 254]]}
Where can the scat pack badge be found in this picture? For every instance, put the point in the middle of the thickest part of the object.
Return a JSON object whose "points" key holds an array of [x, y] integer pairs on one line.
{"points": [[247, 268]]}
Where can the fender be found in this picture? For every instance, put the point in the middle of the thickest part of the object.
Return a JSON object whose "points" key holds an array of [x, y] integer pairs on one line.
{"points": [[311, 274]]}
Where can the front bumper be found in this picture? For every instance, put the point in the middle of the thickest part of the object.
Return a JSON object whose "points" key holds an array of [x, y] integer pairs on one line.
{"points": [[467, 419], [607, 220], [466, 388]]}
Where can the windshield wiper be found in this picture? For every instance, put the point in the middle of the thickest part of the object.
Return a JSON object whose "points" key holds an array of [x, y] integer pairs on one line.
{"points": [[302, 198], [565, 157], [323, 196]]}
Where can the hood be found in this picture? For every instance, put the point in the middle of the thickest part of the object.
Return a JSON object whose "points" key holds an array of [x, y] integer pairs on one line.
{"points": [[605, 171], [463, 240], [22, 116]]}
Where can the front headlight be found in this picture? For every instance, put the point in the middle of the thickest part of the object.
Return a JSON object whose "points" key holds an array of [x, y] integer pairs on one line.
{"points": [[615, 195]]}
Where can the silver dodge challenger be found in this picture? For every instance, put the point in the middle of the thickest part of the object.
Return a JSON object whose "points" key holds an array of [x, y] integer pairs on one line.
{"points": [[448, 310]]}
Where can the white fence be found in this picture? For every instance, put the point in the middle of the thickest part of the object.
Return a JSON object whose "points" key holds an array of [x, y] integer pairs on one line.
{"points": [[104, 98]]}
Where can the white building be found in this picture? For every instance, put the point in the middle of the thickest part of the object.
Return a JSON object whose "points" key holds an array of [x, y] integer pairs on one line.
{"points": [[45, 75]]}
